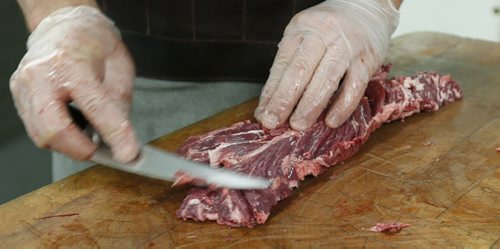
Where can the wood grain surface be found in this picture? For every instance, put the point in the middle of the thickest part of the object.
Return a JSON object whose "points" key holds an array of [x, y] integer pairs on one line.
{"points": [[439, 172]]}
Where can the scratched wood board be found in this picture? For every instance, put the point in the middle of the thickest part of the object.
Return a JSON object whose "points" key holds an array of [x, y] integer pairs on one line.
{"points": [[439, 172]]}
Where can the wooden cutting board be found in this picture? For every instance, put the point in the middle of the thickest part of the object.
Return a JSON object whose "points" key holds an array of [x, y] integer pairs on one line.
{"points": [[439, 172]]}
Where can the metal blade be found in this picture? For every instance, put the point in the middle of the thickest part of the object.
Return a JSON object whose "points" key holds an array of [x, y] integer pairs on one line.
{"points": [[160, 164]]}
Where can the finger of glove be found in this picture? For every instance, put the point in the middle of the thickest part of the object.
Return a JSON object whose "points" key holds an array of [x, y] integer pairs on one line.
{"points": [[71, 141], [323, 85], [286, 50], [43, 111], [119, 76], [108, 118], [350, 94], [295, 79]]}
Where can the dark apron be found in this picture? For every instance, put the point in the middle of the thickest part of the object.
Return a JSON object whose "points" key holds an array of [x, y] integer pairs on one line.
{"points": [[203, 40]]}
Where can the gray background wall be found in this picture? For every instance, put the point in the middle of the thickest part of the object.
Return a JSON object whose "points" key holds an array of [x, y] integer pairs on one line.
{"points": [[23, 167]]}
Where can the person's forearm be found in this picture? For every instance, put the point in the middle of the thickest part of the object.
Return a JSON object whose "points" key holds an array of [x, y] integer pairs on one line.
{"points": [[396, 3], [36, 10]]}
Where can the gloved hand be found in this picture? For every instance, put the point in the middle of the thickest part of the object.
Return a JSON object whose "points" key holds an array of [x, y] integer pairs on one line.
{"points": [[319, 46], [76, 54]]}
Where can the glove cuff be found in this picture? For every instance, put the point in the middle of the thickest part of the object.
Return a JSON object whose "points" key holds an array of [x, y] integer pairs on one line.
{"points": [[87, 14], [391, 3], [390, 12]]}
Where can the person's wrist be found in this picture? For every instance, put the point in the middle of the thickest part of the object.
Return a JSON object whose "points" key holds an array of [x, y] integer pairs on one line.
{"points": [[390, 10], [63, 26], [382, 11], [37, 15], [395, 4], [87, 15]]}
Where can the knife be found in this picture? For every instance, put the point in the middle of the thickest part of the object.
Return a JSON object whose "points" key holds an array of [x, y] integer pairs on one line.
{"points": [[159, 164]]}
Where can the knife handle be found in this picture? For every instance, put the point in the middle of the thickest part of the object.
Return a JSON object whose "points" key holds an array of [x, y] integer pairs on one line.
{"points": [[82, 122], [78, 117]]}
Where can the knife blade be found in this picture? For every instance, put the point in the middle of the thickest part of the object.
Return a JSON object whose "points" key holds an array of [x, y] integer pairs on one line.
{"points": [[159, 164], [155, 163]]}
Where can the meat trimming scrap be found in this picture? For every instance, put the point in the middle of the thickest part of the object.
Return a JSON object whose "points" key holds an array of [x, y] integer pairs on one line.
{"points": [[286, 156]]}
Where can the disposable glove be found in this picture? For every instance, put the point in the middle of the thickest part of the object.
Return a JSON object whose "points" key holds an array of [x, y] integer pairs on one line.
{"points": [[76, 54], [334, 40]]}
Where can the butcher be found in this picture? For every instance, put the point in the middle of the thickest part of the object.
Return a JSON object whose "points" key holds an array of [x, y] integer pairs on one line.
{"points": [[194, 58]]}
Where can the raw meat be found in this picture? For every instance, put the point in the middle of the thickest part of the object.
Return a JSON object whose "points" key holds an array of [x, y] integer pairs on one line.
{"points": [[286, 156], [388, 227]]}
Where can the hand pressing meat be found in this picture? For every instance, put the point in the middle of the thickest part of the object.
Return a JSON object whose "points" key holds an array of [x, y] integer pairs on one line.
{"points": [[320, 45], [287, 156]]}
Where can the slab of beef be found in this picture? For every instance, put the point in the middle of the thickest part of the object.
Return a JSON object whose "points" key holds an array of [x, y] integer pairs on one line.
{"points": [[286, 156], [388, 227]]}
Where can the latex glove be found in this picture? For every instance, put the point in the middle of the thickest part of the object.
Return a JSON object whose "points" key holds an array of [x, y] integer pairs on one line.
{"points": [[319, 46], [76, 54]]}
